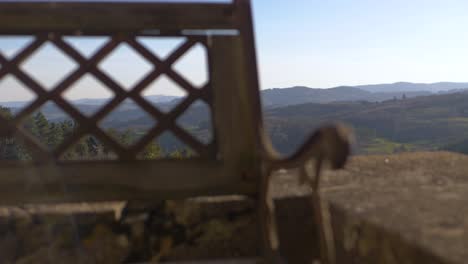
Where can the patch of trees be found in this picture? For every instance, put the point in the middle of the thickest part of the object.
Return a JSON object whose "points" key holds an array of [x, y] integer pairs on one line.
{"points": [[52, 134]]}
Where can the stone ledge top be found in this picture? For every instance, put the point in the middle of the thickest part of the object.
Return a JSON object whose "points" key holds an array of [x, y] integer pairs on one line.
{"points": [[422, 196]]}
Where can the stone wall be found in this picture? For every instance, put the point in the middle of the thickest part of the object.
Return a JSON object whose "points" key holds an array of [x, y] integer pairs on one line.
{"points": [[406, 208], [192, 229]]}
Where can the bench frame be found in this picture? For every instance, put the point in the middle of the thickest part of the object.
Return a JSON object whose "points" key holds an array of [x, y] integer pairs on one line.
{"points": [[239, 160], [228, 165]]}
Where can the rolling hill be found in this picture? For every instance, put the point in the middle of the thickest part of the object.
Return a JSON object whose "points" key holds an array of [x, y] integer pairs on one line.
{"points": [[278, 97], [414, 87], [300, 95], [425, 122], [421, 123]]}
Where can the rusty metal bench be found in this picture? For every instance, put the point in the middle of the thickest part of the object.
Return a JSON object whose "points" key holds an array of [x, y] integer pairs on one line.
{"points": [[238, 160]]}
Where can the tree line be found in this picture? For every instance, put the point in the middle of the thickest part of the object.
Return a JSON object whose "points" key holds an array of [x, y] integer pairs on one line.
{"points": [[52, 134]]}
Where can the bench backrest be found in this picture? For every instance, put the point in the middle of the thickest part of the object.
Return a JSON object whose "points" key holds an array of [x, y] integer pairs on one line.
{"points": [[229, 164]]}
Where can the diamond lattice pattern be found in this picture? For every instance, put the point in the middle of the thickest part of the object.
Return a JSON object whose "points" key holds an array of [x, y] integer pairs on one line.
{"points": [[111, 65]]}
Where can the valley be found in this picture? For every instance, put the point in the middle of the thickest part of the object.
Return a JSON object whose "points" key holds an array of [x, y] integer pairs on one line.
{"points": [[384, 122]]}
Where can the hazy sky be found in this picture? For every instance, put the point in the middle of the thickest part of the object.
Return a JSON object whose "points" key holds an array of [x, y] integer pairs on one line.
{"points": [[313, 43], [342, 42]]}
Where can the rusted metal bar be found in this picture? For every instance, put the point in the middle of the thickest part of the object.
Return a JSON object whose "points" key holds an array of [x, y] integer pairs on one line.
{"points": [[108, 181], [104, 18]]}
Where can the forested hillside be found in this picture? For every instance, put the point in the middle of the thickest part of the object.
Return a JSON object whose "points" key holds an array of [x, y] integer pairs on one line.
{"points": [[422, 123], [434, 122], [51, 134], [301, 95]]}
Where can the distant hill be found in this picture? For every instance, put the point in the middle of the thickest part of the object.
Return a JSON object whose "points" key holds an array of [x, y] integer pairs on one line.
{"points": [[150, 98], [384, 122], [422, 123], [96, 101], [300, 95], [278, 97], [413, 87]]}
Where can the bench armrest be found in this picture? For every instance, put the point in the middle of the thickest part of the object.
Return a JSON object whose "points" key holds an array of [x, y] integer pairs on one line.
{"points": [[330, 143]]}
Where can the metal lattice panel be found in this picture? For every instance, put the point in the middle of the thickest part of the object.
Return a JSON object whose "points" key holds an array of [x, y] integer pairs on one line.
{"points": [[89, 124], [228, 164]]}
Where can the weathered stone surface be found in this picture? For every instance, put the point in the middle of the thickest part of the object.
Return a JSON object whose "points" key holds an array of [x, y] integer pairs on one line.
{"points": [[419, 197], [406, 208], [296, 229], [195, 229]]}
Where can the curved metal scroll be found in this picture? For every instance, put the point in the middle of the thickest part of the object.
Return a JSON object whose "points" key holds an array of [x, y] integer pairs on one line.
{"points": [[329, 144]]}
